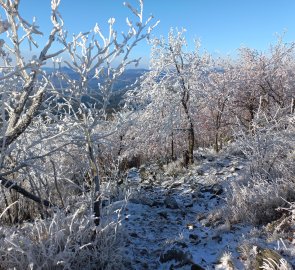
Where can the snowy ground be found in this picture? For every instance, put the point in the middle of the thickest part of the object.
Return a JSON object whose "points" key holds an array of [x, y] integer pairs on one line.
{"points": [[176, 222]]}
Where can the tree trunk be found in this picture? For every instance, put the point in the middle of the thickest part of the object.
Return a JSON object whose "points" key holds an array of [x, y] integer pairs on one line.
{"points": [[191, 144], [97, 202], [191, 133], [216, 146], [185, 100], [95, 179], [172, 147]]}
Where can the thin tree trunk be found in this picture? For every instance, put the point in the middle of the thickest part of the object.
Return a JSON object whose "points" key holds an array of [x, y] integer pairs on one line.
{"points": [[185, 100], [96, 182], [191, 144], [216, 146], [191, 133], [172, 146]]}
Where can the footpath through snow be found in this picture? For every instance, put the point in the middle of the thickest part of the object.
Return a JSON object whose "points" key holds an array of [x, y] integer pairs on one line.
{"points": [[174, 219]]}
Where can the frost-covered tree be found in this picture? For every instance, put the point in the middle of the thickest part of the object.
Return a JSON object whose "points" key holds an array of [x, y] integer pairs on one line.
{"points": [[216, 117], [169, 94], [104, 59], [64, 109], [23, 87], [264, 82]]}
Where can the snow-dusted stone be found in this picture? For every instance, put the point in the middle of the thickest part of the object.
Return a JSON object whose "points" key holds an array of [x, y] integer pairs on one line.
{"points": [[240, 167], [177, 255], [163, 214], [178, 258], [199, 157], [200, 171], [238, 153], [177, 183], [171, 202], [210, 158], [217, 238], [215, 189], [194, 238], [150, 197], [185, 198], [223, 162], [221, 172]]}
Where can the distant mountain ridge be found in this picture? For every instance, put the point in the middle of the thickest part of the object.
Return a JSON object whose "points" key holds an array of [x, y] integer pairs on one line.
{"points": [[127, 81], [128, 77]]}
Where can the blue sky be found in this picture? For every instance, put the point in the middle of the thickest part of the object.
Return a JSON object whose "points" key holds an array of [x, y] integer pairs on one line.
{"points": [[221, 25]]}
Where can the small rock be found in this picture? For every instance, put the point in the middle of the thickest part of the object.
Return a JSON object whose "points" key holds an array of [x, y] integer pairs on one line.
{"points": [[181, 244], [219, 172], [223, 163], [201, 216], [200, 171], [201, 196], [133, 234], [147, 187], [217, 238], [199, 157], [217, 189], [176, 184], [206, 223], [195, 194], [210, 158], [166, 183], [238, 153], [175, 254], [194, 238], [144, 252], [171, 202], [163, 214]]}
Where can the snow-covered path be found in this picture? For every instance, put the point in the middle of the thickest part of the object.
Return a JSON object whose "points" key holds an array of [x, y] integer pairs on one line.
{"points": [[175, 223]]}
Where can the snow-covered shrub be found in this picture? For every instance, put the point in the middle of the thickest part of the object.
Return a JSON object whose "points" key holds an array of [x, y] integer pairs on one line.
{"points": [[62, 242], [269, 147], [269, 264], [257, 201], [174, 168], [269, 182], [226, 261], [256, 257]]}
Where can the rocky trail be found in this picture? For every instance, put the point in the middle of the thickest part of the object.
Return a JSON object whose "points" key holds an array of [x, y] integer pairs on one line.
{"points": [[174, 222], [175, 219]]}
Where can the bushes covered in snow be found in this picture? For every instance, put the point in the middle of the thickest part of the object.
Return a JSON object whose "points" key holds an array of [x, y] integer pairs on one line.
{"points": [[269, 181], [62, 242]]}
